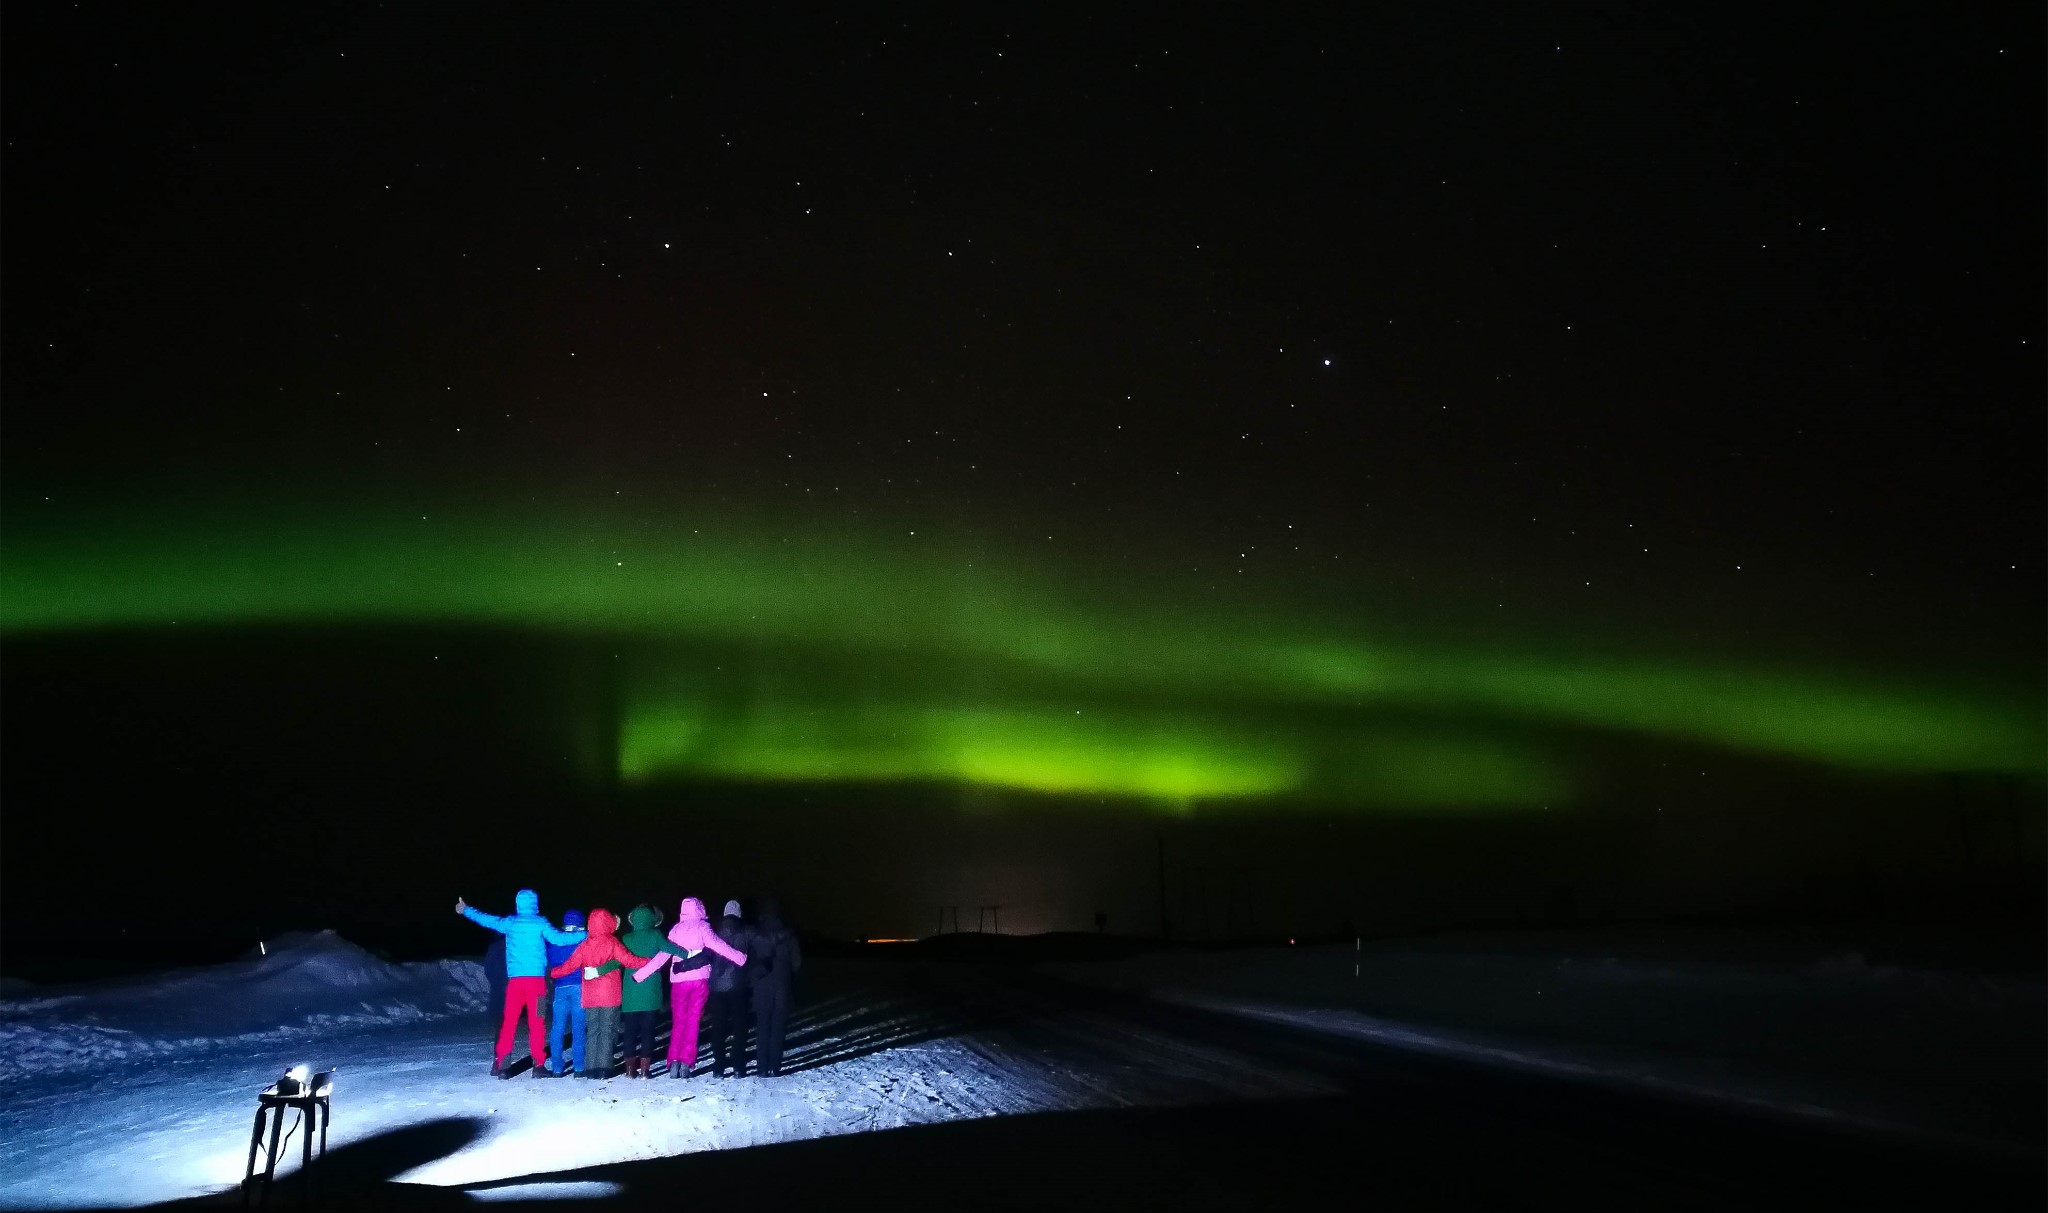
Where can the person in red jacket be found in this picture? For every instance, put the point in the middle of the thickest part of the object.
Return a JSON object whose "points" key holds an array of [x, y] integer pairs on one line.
{"points": [[600, 956]]}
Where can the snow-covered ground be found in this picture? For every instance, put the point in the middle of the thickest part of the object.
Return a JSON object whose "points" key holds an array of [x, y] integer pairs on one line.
{"points": [[136, 1091], [140, 1091], [1943, 1055]]}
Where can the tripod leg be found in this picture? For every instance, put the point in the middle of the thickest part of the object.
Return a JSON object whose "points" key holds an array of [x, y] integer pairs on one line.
{"points": [[255, 1143], [326, 1118], [306, 1156], [270, 1168]]}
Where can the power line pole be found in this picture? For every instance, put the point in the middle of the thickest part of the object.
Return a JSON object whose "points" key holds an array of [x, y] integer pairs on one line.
{"points": [[1165, 923]]}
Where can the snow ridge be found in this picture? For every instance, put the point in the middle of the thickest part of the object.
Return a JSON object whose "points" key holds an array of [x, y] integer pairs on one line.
{"points": [[298, 982]]}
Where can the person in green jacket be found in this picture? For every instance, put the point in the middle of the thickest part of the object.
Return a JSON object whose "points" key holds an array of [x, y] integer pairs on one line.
{"points": [[643, 999]]}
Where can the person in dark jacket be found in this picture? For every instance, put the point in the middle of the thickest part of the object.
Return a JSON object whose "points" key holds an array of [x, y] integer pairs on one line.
{"points": [[730, 1008], [494, 975], [774, 961]]}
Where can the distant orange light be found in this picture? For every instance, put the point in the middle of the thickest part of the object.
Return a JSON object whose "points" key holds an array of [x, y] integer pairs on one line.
{"points": [[1290, 943], [892, 941]]}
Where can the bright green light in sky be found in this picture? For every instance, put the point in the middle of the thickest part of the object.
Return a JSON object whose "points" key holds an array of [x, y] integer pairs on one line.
{"points": [[1860, 725], [992, 661], [1045, 751], [1164, 756]]}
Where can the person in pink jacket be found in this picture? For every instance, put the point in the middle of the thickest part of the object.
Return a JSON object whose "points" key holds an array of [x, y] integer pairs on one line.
{"points": [[691, 935]]}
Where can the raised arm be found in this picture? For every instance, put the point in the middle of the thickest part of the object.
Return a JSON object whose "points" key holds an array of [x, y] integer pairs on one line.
{"points": [[488, 921], [560, 939]]}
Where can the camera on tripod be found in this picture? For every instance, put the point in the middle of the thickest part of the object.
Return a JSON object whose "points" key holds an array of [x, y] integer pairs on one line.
{"points": [[296, 1083], [305, 1093]]}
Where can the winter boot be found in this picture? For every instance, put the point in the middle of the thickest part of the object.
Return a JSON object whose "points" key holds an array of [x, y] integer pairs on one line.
{"points": [[498, 1070], [677, 1069], [541, 1071]]}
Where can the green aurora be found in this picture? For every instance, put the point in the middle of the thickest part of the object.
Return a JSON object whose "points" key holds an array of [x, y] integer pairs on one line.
{"points": [[920, 660], [1168, 757]]}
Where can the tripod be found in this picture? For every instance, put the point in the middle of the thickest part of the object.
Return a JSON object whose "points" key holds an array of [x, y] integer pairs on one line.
{"points": [[271, 1103]]}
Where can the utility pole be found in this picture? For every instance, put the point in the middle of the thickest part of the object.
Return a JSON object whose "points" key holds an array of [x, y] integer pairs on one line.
{"points": [[1165, 923]]}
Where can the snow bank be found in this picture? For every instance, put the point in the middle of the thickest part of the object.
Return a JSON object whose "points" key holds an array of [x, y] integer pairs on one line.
{"points": [[302, 981]]}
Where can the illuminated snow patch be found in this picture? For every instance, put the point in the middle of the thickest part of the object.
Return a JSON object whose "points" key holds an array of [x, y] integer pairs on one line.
{"points": [[573, 1189]]}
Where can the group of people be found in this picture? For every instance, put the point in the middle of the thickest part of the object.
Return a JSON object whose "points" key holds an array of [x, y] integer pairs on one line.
{"points": [[608, 988]]}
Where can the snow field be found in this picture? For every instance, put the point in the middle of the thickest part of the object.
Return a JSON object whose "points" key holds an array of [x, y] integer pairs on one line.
{"points": [[125, 1116]]}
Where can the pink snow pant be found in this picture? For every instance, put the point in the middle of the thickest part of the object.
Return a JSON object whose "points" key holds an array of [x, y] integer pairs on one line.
{"points": [[524, 994], [686, 1005]]}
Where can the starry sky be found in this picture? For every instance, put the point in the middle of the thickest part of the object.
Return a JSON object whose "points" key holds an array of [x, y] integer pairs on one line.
{"points": [[1384, 406]]}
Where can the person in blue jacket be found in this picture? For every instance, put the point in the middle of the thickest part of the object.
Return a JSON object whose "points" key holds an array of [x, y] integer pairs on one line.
{"points": [[568, 1005], [527, 936]]}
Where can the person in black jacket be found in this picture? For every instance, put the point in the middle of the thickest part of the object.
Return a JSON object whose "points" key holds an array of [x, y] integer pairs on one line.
{"points": [[494, 976], [729, 1011], [772, 962]]}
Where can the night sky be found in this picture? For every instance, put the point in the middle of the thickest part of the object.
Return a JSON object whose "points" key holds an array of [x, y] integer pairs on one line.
{"points": [[793, 446]]}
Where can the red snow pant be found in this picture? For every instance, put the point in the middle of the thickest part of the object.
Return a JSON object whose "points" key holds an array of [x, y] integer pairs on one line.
{"points": [[686, 1003], [524, 994]]}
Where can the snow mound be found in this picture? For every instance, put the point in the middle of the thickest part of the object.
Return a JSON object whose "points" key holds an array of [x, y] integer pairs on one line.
{"points": [[297, 982]]}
